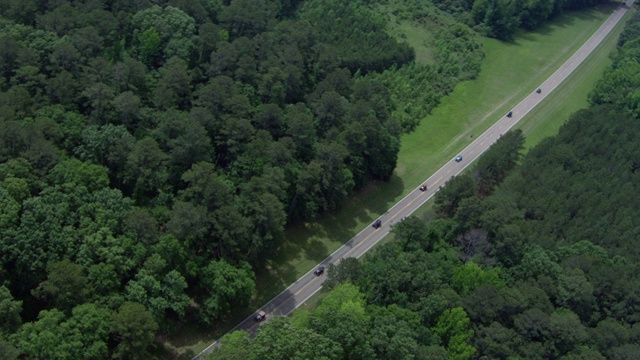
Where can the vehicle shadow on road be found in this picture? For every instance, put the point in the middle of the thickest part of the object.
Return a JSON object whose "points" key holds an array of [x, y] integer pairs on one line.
{"points": [[309, 243]]}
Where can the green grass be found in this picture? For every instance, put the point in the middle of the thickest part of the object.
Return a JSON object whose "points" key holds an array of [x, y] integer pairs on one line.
{"points": [[546, 118], [417, 36], [509, 72]]}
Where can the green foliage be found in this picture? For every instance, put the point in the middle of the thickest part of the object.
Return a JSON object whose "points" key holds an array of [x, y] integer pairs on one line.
{"points": [[489, 303], [74, 171], [451, 195], [453, 330], [98, 98], [134, 328], [537, 262], [225, 286], [174, 86], [158, 290], [496, 163], [566, 330], [561, 285], [348, 270], [66, 286], [610, 333], [168, 29], [248, 18], [458, 52], [119, 251], [103, 278], [357, 34], [82, 335], [342, 317], [11, 209], [501, 18], [41, 338], [620, 84], [224, 121], [88, 331], [69, 124], [411, 230], [8, 351], [150, 45], [10, 310], [497, 341], [416, 105], [394, 333], [233, 346], [498, 16], [278, 340], [395, 277], [470, 276], [630, 32], [146, 168]]}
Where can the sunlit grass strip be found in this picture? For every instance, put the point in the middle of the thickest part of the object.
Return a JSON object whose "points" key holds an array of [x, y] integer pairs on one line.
{"points": [[509, 72]]}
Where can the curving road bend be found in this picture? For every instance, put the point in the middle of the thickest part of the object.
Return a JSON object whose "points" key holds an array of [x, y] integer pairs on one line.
{"points": [[297, 293]]}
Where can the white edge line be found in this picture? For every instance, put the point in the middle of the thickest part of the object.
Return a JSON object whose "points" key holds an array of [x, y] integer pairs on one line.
{"points": [[467, 164]]}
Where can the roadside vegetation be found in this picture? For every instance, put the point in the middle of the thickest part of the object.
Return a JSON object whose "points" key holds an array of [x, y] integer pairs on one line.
{"points": [[529, 257], [153, 153], [572, 95]]}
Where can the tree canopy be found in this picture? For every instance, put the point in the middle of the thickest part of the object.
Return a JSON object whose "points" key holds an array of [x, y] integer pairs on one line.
{"points": [[152, 154], [525, 257]]}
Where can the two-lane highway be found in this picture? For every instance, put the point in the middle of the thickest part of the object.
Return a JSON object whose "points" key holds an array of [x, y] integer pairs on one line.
{"points": [[297, 293]]}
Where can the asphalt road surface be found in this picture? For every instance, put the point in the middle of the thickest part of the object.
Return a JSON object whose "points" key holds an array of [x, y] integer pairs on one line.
{"points": [[297, 293]]}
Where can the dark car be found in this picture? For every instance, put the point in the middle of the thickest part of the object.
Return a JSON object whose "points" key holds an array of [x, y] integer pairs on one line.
{"points": [[377, 224], [458, 158], [423, 187], [510, 114], [260, 316], [539, 91], [319, 271]]}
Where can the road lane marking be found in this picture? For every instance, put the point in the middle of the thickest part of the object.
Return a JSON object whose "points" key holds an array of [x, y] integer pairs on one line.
{"points": [[551, 82], [355, 247], [294, 295]]}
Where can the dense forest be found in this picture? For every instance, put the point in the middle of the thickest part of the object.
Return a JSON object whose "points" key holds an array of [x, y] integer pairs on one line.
{"points": [[530, 257], [152, 153]]}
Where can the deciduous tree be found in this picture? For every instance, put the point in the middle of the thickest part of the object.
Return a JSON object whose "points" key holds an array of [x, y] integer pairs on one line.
{"points": [[449, 197], [66, 285], [453, 329], [225, 286], [10, 310], [134, 329]]}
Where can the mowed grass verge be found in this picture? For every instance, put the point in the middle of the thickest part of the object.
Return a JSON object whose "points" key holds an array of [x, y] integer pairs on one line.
{"points": [[543, 121], [572, 95], [509, 72]]}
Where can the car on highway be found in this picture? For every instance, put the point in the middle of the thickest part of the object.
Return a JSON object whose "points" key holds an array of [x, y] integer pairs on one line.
{"points": [[458, 158], [260, 316], [510, 114], [319, 271], [377, 224], [423, 187], [539, 91]]}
